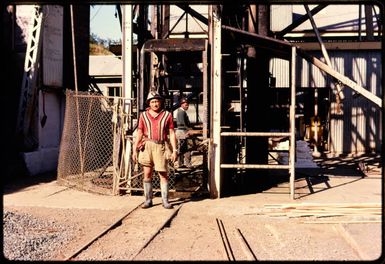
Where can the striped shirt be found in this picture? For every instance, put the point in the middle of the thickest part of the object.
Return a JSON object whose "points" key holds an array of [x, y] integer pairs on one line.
{"points": [[156, 128]]}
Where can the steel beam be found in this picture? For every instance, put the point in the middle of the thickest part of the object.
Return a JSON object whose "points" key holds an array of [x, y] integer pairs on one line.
{"points": [[256, 134]]}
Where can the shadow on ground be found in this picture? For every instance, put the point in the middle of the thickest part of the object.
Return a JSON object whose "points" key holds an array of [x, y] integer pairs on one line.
{"points": [[256, 181], [21, 182]]}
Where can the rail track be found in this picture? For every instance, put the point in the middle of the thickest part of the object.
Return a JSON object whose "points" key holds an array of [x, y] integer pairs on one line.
{"points": [[126, 236], [129, 234], [247, 251]]}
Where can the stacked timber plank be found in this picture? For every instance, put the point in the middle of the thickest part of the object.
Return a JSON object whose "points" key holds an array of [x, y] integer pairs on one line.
{"points": [[322, 210]]}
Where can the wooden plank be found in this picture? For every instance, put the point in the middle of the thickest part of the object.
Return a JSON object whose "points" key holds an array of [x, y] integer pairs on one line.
{"points": [[342, 222]]}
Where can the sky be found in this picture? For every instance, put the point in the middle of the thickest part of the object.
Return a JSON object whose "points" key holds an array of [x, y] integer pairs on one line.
{"points": [[103, 22]]}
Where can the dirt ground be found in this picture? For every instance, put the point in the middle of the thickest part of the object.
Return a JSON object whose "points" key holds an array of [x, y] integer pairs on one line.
{"points": [[245, 227]]}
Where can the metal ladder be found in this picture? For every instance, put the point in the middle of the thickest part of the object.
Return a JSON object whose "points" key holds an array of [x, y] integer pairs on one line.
{"points": [[288, 134], [235, 96]]}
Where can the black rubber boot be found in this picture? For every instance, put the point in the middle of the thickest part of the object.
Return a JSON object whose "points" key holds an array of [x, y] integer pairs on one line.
{"points": [[164, 193], [147, 187]]}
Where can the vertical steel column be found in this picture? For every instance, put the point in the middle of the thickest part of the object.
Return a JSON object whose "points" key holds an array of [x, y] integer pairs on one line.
{"points": [[153, 56], [127, 80], [141, 94], [216, 99], [165, 17], [127, 51], [292, 121], [369, 22], [205, 91]]}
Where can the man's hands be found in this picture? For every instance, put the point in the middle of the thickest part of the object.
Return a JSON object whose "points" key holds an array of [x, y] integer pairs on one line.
{"points": [[134, 156], [174, 156]]}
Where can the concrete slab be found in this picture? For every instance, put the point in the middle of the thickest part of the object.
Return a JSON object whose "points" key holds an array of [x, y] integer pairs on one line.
{"points": [[57, 196]]}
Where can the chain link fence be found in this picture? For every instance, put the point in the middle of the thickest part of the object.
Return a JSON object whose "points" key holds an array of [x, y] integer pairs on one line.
{"points": [[95, 152], [87, 146]]}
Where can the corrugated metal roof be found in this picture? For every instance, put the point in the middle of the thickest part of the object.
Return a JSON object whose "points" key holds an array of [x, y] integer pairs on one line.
{"points": [[101, 65]]}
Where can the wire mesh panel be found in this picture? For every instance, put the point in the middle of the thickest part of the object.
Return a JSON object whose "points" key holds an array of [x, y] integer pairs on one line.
{"points": [[89, 149]]}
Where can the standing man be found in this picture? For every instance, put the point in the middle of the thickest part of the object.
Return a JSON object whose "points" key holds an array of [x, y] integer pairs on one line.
{"points": [[154, 127], [182, 134]]}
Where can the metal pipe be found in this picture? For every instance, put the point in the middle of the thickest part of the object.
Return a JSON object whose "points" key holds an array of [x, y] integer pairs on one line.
{"points": [[254, 166], [292, 121], [257, 134], [140, 94]]}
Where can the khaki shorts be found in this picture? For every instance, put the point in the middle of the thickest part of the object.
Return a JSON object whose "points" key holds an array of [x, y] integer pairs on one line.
{"points": [[154, 155]]}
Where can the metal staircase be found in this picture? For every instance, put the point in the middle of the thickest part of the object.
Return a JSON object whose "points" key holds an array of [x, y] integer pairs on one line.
{"points": [[29, 91]]}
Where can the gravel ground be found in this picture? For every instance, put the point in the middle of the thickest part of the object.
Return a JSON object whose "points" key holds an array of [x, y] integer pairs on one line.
{"points": [[29, 238]]}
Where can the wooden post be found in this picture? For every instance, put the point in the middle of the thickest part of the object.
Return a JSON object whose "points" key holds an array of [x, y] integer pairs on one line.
{"points": [[292, 121], [216, 92]]}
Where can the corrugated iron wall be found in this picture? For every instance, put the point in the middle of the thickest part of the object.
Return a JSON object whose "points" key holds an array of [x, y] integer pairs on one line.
{"points": [[357, 128], [280, 17]]}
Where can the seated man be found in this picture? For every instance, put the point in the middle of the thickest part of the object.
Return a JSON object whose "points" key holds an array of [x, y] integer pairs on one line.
{"points": [[182, 134]]}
